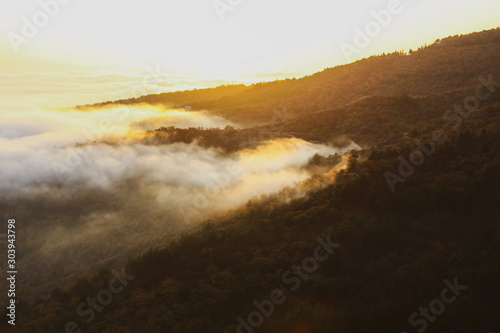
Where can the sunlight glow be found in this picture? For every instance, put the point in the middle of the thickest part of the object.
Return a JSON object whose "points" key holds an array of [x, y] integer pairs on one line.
{"points": [[290, 36]]}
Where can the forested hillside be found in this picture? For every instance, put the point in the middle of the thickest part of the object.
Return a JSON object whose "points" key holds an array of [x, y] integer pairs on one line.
{"points": [[396, 249], [448, 64], [372, 122]]}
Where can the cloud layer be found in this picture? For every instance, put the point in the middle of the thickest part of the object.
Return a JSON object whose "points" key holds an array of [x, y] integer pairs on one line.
{"points": [[88, 194]]}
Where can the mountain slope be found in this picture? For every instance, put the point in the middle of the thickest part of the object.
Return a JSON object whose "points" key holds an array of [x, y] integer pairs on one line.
{"points": [[447, 65], [396, 250]]}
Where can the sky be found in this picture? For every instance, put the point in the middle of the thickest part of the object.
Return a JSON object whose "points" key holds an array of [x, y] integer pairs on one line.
{"points": [[223, 37]]}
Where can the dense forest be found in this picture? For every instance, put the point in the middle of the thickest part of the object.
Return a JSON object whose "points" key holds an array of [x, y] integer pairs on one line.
{"points": [[364, 248]]}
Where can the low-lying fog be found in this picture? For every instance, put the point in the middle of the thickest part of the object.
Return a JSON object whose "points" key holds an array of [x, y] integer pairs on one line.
{"points": [[82, 202]]}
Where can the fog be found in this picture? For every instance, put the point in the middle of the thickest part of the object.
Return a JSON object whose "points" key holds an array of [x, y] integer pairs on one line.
{"points": [[88, 193]]}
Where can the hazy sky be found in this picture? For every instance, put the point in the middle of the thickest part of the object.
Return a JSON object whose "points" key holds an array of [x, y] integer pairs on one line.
{"points": [[243, 34]]}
